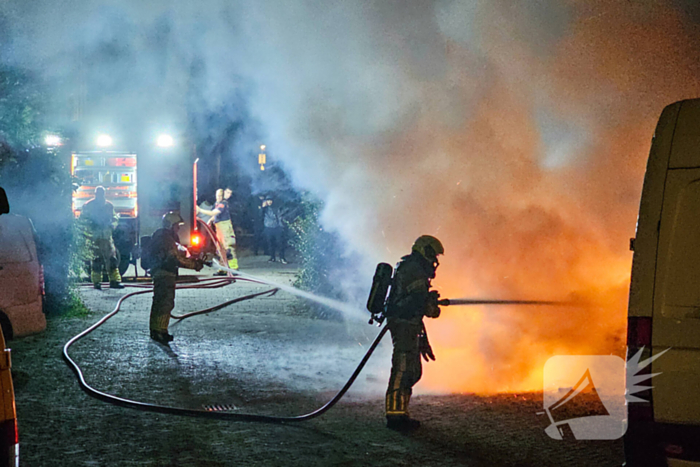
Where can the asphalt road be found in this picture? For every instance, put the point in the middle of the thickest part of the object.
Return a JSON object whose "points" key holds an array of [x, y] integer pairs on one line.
{"points": [[269, 355]]}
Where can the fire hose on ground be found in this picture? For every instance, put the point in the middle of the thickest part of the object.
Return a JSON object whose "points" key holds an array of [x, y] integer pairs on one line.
{"points": [[156, 408]]}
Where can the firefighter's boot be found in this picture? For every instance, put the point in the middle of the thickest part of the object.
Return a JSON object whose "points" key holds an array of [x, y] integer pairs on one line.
{"points": [[397, 417], [115, 278], [161, 336], [402, 423], [96, 276]]}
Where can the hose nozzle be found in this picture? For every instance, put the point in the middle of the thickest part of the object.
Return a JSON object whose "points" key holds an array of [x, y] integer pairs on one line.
{"points": [[479, 301]]}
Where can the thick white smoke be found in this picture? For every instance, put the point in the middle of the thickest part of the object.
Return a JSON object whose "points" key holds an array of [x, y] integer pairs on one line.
{"points": [[517, 132]]}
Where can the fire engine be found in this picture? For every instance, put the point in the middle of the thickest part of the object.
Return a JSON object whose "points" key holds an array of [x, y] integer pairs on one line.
{"points": [[116, 172], [141, 187]]}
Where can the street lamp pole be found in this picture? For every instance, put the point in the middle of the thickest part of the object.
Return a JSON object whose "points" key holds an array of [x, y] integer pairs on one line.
{"points": [[262, 157], [194, 191]]}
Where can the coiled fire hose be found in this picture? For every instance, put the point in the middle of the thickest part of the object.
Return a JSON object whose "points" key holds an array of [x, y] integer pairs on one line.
{"points": [[148, 407]]}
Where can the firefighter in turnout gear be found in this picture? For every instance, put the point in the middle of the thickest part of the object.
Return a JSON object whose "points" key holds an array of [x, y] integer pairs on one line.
{"points": [[409, 300], [221, 218], [101, 220], [167, 256]]}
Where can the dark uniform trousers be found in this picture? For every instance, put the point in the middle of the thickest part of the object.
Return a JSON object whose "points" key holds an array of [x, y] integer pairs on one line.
{"points": [[167, 257], [163, 300], [104, 256], [406, 367]]}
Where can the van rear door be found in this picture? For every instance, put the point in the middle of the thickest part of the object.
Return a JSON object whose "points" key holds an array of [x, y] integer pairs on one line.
{"points": [[676, 292]]}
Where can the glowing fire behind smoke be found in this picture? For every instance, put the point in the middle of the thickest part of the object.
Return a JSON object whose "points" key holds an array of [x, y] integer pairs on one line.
{"points": [[534, 192]]}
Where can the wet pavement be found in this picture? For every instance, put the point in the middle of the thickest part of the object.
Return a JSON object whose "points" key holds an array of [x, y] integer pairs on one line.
{"points": [[269, 355]]}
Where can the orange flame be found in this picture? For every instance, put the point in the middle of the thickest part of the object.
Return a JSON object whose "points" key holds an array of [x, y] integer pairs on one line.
{"points": [[536, 193]]}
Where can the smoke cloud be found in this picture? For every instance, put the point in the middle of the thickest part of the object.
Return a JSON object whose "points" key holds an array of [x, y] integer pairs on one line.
{"points": [[516, 132]]}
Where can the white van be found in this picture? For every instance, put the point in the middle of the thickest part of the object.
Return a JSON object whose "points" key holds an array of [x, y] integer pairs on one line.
{"points": [[21, 278], [664, 303]]}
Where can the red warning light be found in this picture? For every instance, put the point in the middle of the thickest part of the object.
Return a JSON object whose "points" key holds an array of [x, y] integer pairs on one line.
{"points": [[196, 239]]}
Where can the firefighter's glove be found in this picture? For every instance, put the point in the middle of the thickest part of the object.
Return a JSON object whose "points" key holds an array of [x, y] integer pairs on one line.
{"points": [[432, 308], [424, 347], [433, 297]]}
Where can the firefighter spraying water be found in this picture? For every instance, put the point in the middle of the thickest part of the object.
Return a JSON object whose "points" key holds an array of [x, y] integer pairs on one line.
{"points": [[410, 299]]}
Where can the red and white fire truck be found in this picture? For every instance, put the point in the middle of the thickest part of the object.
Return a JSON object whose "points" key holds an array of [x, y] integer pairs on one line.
{"points": [[116, 172], [142, 188]]}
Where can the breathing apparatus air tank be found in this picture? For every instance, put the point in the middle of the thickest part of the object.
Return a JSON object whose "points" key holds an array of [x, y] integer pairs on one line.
{"points": [[378, 292]]}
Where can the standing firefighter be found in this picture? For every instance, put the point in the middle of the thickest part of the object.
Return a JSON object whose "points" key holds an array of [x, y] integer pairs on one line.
{"points": [[221, 217], [101, 220], [409, 300], [166, 257]]}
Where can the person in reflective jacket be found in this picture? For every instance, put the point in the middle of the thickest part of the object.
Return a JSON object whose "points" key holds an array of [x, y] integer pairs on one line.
{"points": [[167, 256], [225, 235], [409, 300]]}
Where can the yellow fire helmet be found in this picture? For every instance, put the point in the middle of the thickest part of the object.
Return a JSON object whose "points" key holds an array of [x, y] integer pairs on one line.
{"points": [[429, 247], [171, 218]]}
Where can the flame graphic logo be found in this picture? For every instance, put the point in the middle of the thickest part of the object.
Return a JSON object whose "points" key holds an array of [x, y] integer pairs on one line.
{"points": [[634, 366], [586, 396]]}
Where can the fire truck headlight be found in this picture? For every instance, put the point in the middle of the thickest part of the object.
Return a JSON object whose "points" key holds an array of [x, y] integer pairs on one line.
{"points": [[104, 141], [165, 141], [52, 141]]}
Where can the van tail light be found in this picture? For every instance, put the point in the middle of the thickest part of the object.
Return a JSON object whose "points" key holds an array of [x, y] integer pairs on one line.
{"points": [[639, 332], [673, 450], [639, 337], [42, 291]]}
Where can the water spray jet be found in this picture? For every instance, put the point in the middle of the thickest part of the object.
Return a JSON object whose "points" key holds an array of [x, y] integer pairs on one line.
{"points": [[329, 302]]}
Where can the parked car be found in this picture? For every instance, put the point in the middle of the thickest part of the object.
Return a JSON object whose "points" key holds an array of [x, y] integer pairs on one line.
{"points": [[664, 302], [21, 278], [9, 436]]}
